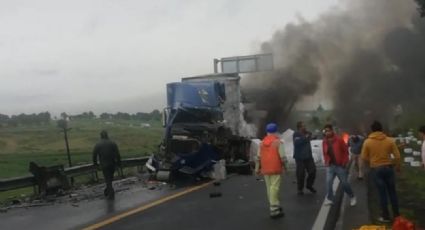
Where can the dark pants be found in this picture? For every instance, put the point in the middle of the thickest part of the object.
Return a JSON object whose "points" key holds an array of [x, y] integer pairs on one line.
{"points": [[108, 174], [303, 166], [384, 178]]}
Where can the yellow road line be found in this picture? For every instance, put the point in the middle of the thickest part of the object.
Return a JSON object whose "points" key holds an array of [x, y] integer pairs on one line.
{"points": [[144, 207]]}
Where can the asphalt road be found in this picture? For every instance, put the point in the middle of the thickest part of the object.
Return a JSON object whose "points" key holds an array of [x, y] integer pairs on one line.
{"points": [[243, 205], [68, 215]]}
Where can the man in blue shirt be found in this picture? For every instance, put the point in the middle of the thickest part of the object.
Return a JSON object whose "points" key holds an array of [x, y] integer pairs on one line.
{"points": [[303, 156]]}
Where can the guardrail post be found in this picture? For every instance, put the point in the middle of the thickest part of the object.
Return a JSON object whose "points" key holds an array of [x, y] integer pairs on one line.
{"points": [[120, 172], [95, 176]]}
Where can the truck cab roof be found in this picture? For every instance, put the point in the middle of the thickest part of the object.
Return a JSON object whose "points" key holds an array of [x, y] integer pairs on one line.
{"points": [[214, 76]]}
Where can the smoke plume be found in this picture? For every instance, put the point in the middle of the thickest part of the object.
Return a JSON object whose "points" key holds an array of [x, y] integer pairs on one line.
{"points": [[366, 57]]}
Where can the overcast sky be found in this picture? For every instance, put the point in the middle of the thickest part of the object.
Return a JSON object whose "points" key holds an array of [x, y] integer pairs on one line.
{"points": [[111, 55]]}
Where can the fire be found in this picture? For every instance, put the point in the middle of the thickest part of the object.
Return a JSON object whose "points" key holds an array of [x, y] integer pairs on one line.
{"points": [[345, 136]]}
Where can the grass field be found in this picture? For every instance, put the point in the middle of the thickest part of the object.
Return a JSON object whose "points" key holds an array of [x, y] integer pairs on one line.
{"points": [[44, 144], [411, 190]]}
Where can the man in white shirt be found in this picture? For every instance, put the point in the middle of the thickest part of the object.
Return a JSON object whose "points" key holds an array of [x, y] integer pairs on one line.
{"points": [[422, 135]]}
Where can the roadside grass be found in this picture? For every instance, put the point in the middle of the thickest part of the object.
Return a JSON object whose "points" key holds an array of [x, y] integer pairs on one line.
{"points": [[45, 145], [411, 194], [22, 193]]}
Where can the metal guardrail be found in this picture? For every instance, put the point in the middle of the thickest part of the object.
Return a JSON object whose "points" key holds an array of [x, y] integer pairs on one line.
{"points": [[17, 182], [29, 180]]}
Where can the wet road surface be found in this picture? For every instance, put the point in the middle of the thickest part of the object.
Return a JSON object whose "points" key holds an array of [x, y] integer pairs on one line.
{"points": [[243, 205]]}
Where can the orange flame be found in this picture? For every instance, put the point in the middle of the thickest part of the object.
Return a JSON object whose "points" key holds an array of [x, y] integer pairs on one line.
{"points": [[345, 136]]}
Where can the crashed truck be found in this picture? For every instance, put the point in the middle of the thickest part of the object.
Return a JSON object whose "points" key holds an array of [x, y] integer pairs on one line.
{"points": [[202, 123]]}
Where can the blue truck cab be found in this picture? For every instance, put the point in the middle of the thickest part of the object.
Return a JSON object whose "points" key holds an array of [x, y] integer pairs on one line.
{"points": [[201, 121]]}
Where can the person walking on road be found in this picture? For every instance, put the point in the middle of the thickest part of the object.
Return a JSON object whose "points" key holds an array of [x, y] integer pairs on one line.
{"points": [[304, 158], [422, 136], [270, 164], [355, 143], [109, 156], [336, 156], [383, 156]]}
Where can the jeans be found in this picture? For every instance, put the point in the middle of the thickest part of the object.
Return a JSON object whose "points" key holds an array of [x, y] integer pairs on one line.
{"points": [[333, 171], [384, 178], [358, 163], [301, 167]]}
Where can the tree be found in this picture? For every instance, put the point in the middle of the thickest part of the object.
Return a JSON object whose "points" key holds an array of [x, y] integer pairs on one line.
{"points": [[42, 118], [105, 116], [12, 122], [64, 115], [62, 124], [421, 8], [141, 116], [91, 115], [4, 118], [315, 121], [124, 116], [156, 115]]}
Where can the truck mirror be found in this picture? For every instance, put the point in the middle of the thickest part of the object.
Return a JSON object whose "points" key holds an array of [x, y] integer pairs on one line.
{"points": [[165, 114]]}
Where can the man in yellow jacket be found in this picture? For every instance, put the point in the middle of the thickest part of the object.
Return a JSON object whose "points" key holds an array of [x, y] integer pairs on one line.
{"points": [[270, 164], [383, 157]]}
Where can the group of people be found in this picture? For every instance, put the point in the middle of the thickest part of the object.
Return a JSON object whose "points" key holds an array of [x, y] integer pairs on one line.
{"points": [[377, 151]]}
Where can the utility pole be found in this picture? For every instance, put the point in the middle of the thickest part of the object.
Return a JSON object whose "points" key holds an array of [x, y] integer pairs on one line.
{"points": [[63, 124], [65, 131]]}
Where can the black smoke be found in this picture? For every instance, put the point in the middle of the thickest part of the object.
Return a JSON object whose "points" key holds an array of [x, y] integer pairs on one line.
{"points": [[366, 57]]}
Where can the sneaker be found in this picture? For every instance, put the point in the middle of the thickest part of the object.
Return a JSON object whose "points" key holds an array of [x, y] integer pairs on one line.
{"points": [[280, 214], [353, 201], [311, 189], [384, 220], [328, 202], [360, 178], [300, 192]]}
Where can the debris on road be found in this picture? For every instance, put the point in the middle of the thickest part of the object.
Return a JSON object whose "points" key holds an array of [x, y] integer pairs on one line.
{"points": [[215, 194], [80, 193]]}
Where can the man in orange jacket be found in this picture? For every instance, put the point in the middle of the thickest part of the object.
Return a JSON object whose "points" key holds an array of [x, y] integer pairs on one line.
{"points": [[270, 164]]}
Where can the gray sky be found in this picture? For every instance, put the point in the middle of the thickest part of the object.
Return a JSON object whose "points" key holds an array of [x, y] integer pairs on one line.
{"points": [[117, 55]]}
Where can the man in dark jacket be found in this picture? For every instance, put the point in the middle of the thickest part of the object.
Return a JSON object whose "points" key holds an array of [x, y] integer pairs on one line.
{"points": [[356, 143], [304, 158], [335, 153], [109, 157]]}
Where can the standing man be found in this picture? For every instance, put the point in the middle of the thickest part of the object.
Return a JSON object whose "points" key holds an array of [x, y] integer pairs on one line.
{"points": [[356, 143], [270, 164], [304, 158], [109, 157], [335, 153], [383, 156], [422, 136]]}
